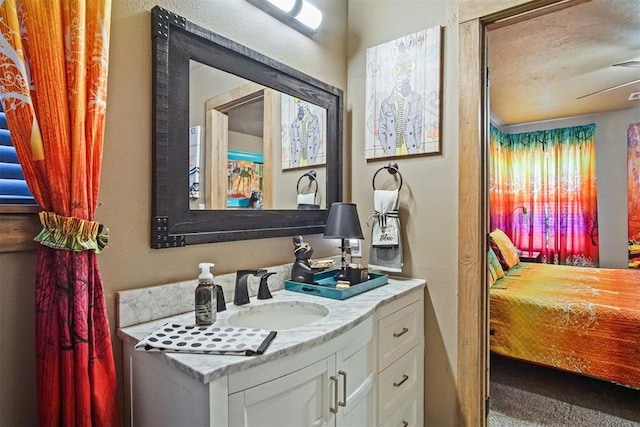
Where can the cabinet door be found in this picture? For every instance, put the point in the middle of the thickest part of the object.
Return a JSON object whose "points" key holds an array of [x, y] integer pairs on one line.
{"points": [[298, 399], [356, 374]]}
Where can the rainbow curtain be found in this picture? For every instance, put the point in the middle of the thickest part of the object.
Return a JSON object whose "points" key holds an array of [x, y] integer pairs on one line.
{"points": [[633, 193], [543, 193], [54, 57]]}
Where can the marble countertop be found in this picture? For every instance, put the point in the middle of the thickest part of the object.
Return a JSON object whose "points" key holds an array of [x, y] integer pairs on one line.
{"points": [[343, 315]]}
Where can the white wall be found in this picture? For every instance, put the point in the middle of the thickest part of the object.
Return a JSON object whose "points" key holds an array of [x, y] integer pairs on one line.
{"points": [[611, 176]]}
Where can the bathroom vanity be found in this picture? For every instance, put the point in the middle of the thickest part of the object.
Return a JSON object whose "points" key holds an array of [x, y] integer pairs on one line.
{"points": [[360, 363]]}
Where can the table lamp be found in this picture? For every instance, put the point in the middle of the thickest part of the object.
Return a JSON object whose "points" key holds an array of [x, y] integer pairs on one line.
{"points": [[343, 223]]}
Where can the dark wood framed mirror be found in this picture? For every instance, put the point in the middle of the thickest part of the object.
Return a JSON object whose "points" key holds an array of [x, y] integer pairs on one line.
{"points": [[177, 44]]}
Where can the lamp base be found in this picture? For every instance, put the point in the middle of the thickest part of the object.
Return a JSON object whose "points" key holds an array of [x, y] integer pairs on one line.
{"points": [[341, 275]]}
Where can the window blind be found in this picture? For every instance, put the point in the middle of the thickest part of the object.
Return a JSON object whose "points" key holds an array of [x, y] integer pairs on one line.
{"points": [[13, 187]]}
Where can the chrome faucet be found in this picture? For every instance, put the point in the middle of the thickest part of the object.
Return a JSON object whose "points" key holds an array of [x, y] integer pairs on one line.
{"points": [[241, 295]]}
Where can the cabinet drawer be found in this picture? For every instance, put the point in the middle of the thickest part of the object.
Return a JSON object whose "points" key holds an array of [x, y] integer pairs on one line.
{"points": [[398, 333], [400, 382], [408, 415]]}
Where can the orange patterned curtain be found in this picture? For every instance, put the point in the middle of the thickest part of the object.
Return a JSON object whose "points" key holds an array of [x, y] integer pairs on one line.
{"points": [[543, 193], [54, 57], [633, 193]]}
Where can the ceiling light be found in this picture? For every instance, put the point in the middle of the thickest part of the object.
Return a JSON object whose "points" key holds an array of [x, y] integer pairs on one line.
{"points": [[298, 14], [284, 5], [309, 15]]}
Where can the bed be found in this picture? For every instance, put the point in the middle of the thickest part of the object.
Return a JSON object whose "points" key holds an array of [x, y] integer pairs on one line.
{"points": [[579, 319]]}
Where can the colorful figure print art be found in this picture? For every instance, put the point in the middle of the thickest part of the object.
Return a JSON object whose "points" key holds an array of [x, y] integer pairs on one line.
{"points": [[303, 133], [403, 96]]}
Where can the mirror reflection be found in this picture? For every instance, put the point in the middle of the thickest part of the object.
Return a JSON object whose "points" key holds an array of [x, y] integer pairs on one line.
{"points": [[252, 147], [216, 181]]}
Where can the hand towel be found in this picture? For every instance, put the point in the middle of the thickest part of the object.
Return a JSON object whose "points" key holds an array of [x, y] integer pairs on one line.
{"points": [[307, 199], [385, 253], [213, 339]]}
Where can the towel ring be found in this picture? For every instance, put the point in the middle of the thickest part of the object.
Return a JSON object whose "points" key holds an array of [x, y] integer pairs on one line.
{"points": [[312, 179], [392, 167]]}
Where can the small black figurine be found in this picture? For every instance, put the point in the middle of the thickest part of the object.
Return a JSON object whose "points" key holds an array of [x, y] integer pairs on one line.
{"points": [[301, 270], [255, 201]]}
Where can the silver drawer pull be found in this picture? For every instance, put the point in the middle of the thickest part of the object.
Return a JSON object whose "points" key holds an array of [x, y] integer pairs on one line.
{"points": [[399, 334], [344, 388], [335, 395], [404, 423], [404, 378]]}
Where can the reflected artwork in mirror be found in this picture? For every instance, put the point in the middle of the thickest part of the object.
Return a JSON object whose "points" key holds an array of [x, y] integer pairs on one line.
{"points": [[229, 114], [222, 167]]}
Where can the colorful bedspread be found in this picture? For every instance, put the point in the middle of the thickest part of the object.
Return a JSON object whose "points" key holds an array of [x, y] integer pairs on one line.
{"points": [[579, 319]]}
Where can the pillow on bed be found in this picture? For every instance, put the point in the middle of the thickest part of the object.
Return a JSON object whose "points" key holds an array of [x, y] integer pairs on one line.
{"points": [[495, 269], [504, 248]]}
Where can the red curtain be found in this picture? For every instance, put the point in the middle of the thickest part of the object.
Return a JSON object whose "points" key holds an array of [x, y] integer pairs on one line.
{"points": [[54, 57]]}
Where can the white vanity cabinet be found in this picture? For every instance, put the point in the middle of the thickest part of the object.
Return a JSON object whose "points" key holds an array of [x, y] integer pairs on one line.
{"points": [[332, 384], [338, 390], [367, 372]]}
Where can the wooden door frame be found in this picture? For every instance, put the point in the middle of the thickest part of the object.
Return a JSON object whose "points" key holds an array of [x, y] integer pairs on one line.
{"points": [[473, 295], [215, 159]]}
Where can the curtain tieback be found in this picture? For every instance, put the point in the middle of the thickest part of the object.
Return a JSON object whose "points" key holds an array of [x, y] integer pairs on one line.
{"points": [[71, 234]]}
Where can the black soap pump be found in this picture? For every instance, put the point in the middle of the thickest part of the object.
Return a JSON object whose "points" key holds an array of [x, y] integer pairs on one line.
{"points": [[205, 296]]}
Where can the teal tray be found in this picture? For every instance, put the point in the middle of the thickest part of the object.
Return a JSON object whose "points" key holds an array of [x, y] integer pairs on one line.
{"points": [[325, 285]]}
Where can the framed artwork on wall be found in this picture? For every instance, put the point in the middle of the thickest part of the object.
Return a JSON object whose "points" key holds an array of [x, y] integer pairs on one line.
{"points": [[403, 96], [304, 139]]}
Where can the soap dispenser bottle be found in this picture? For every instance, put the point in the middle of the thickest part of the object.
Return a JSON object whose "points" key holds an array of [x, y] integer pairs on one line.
{"points": [[205, 296]]}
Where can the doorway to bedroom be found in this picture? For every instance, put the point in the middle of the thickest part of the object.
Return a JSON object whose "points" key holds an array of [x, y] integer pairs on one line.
{"points": [[561, 104], [558, 108], [473, 210]]}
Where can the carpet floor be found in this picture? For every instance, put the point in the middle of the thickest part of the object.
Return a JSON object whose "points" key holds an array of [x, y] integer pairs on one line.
{"points": [[523, 394]]}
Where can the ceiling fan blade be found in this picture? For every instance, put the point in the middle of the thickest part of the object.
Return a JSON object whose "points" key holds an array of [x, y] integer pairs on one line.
{"points": [[633, 64], [610, 88]]}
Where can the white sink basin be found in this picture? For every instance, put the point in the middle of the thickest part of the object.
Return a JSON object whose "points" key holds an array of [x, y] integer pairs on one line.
{"points": [[278, 316]]}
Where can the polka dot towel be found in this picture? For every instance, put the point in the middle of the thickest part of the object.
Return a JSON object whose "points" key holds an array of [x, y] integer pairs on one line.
{"points": [[207, 339]]}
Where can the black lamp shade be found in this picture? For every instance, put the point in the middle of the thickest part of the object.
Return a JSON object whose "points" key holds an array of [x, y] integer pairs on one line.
{"points": [[343, 222]]}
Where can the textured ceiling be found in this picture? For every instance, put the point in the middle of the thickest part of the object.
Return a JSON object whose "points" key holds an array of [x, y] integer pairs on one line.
{"points": [[539, 67]]}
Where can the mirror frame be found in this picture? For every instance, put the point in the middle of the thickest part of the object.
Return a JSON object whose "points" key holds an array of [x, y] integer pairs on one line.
{"points": [[175, 41]]}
